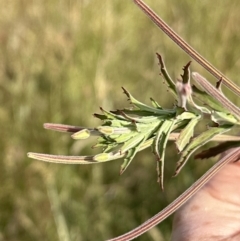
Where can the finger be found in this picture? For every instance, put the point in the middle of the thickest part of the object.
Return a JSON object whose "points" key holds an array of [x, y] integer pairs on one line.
{"points": [[214, 212]]}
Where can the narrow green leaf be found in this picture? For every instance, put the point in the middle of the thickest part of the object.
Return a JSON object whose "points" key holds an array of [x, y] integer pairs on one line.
{"points": [[186, 73], [144, 119], [223, 118], [166, 76], [146, 132], [199, 109], [111, 147], [133, 142], [104, 140], [155, 104], [125, 137], [148, 127], [146, 144], [186, 115], [178, 125], [186, 134], [129, 157], [135, 112], [197, 142], [218, 95], [112, 116], [100, 116], [118, 123], [207, 99], [159, 146], [183, 87], [142, 106]]}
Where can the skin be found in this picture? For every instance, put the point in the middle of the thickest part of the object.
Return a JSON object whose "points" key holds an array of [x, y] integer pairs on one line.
{"points": [[214, 212]]}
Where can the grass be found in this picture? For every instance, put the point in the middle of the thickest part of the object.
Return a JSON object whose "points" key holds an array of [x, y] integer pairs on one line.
{"points": [[60, 61]]}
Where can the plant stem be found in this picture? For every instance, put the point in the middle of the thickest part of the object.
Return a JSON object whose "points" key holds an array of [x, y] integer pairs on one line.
{"points": [[183, 198], [186, 47]]}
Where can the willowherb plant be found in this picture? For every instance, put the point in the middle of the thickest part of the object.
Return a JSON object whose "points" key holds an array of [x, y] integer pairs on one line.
{"points": [[125, 132]]}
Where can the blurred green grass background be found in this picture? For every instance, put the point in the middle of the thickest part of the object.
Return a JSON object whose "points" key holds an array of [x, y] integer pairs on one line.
{"points": [[60, 61]]}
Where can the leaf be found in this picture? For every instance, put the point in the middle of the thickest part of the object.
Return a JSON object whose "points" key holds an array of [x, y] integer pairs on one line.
{"points": [[224, 118], [147, 127], [207, 99], [133, 142], [100, 116], [155, 104], [186, 115], [118, 123], [159, 146], [129, 157], [125, 137], [111, 147], [170, 82], [136, 112], [144, 119], [213, 91], [186, 73], [197, 142], [142, 106], [112, 116], [186, 134], [180, 124]]}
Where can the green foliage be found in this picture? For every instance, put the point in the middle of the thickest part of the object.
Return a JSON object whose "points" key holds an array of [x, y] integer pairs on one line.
{"points": [[125, 132], [60, 60]]}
